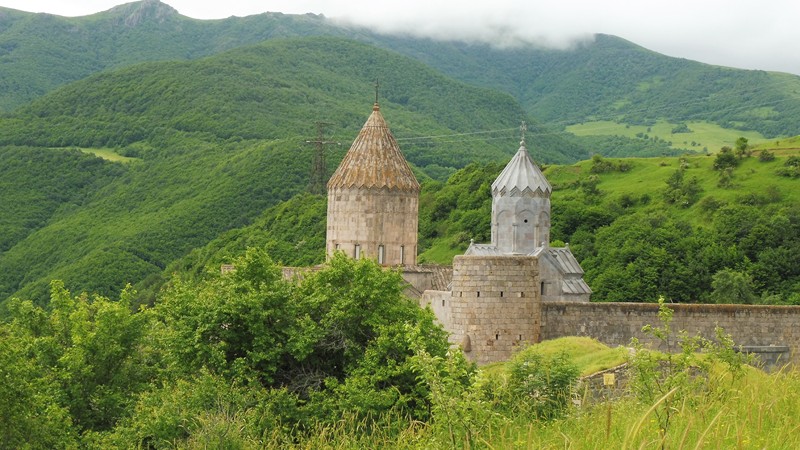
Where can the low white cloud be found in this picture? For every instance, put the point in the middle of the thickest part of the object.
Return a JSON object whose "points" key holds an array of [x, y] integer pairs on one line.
{"points": [[752, 34]]}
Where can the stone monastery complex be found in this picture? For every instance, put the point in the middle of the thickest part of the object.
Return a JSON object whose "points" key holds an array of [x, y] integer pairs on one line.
{"points": [[516, 289]]}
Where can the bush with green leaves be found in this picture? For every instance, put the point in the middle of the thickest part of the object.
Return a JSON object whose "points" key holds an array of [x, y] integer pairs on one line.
{"points": [[336, 338], [766, 156], [89, 354], [725, 158], [540, 386]]}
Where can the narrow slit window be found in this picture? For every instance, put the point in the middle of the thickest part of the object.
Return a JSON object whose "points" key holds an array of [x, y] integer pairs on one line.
{"points": [[381, 256], [357, 251]]}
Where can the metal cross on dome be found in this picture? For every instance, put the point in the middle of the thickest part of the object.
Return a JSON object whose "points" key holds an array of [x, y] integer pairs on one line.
{"points": [[523, 128]]}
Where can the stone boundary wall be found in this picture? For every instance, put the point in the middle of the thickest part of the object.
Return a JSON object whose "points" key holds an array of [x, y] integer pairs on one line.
{"points": [[616, 323]]}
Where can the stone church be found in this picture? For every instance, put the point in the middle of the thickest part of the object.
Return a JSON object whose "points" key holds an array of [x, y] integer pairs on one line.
{"points": [[490, 300]]}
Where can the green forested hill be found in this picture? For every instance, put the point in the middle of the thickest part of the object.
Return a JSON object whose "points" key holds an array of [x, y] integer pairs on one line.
{"points": [[40, 52], [37, 184], [218, 140], [610, 78], [276, 90], [691, 228], [641, 228], [605, 79]]}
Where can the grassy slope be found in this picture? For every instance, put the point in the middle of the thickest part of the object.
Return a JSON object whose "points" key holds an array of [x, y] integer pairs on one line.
{"points": [[704, 136], [646, 177], [589, 355], [649, 175]]}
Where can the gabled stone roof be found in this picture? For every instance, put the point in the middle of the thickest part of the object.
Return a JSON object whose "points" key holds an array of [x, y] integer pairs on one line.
{"points": [[374, 160], [521, 177], [563, 259]]}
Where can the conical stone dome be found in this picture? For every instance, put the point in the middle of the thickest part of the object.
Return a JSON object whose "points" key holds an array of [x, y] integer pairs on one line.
{"points": [[520, 206], [373, 199], [374, 160], [521, 176]]}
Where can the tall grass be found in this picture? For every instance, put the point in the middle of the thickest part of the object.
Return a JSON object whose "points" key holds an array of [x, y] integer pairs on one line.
{"points": [[756, 410]]}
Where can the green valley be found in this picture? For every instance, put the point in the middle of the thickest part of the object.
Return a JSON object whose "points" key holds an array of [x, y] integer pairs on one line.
{"points": [[140, 150], [220, 139]]}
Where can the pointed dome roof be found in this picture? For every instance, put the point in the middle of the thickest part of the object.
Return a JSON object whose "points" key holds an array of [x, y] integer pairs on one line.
{"points": [[374, 160], [519, 175]]}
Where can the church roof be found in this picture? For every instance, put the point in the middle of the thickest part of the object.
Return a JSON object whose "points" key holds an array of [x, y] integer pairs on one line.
{"points": [[521, 176], [563, 259], [374, 160], [482, 250]]}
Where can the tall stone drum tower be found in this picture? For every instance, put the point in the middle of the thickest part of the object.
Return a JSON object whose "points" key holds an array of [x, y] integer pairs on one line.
{"points": [[373, 199]]}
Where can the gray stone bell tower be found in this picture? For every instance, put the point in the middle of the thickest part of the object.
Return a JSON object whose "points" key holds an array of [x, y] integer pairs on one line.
{"points": [[520, 206]]}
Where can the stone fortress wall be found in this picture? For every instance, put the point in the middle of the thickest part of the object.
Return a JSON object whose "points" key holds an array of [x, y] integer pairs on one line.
{"points": [[770, 332], [495, 304]]}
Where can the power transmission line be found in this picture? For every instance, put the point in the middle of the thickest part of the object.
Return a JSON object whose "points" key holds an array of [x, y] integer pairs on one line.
{"points": [[319, 166]]}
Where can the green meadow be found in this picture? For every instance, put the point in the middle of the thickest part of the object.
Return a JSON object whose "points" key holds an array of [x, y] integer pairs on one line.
{"points": [[697, 136], [108, 154]]}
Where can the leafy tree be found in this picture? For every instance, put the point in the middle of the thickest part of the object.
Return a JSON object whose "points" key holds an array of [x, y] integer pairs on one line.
{"points": [[31, 415], [731, 286], [725, 159], [346, 331], [680, 191], [88, 355], [681, 128], [742, 147]]}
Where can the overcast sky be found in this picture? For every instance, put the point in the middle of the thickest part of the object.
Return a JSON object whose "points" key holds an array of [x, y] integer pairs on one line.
{"points": [[758, 34]]}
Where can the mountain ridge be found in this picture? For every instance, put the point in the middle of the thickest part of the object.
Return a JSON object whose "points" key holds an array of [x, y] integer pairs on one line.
{"points": [[608, 78]]}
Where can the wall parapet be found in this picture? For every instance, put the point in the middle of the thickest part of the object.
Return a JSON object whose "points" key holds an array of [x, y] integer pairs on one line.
{"points": [[616, 323]]}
